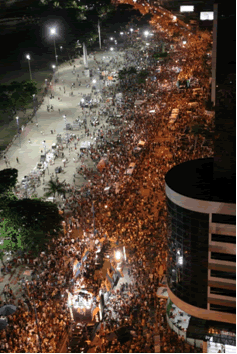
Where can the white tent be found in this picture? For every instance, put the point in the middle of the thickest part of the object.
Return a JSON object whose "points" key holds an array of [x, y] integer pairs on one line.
{"points": [[85, 145]]}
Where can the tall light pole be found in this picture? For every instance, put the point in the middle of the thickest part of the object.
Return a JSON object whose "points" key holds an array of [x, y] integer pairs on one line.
{"points": [[47, 93], [53, 33], [35, 103], [28, 57], [17, 121], [99, 33]]}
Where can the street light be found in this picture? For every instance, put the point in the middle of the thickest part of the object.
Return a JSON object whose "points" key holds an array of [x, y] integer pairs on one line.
{"points": [[53, 33], [146, 33], [131, 29], [111, 49], [118, 255], [28, 57], [17, 121]]}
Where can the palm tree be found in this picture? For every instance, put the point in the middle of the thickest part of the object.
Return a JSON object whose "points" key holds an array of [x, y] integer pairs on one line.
{"points": [[54, 187]]}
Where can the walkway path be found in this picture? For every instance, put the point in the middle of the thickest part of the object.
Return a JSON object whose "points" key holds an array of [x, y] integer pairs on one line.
{"points": [[29, 153]]}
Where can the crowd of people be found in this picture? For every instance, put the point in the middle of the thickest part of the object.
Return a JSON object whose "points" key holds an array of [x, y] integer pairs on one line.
{"points": [[132, 210]]}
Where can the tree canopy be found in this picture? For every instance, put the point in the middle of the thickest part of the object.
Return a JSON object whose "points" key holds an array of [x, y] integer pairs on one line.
{"points": [[25, 223], [17, 95], [32, 220], [8, 179]]}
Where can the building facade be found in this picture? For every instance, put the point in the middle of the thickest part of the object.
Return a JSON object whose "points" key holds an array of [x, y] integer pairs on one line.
{"points": [[201, 264]]}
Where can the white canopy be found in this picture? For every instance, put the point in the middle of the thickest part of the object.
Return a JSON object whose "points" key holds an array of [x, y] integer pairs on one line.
{"points": [[85, 144]]}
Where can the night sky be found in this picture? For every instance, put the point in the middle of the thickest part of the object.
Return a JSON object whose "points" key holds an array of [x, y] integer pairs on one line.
{"points": [[22, 38]]}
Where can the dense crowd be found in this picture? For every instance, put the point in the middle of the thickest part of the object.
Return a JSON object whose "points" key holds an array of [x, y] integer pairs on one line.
{"points": [[132, 211]]}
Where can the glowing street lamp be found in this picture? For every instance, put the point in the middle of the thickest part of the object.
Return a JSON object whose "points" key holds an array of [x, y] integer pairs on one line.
{"points": [[111, 49], [53, 33], [28, 57], [146, 33], [118, 255]]}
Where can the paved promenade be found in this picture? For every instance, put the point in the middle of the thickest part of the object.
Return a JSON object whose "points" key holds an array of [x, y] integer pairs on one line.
{"points": [[28, 153]]}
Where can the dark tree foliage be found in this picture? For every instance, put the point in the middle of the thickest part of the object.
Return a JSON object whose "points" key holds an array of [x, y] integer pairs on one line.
{"points": [[8, 179], [17, 95]]}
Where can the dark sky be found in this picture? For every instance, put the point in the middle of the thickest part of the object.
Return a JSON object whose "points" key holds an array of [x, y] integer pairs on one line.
{"points": [[19, 39]]}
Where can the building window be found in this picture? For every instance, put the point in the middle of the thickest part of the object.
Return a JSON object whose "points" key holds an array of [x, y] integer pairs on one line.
{"points": [[187, 238], [221, 308], [223, 292], [224, 219], [223, 238], [223, 257], [224, 275]]}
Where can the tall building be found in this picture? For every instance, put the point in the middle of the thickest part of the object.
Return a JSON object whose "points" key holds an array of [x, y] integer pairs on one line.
{"points": [[201, 264]]}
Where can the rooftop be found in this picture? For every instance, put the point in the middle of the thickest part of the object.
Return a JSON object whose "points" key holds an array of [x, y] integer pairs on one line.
{"points": [[194, 179]]}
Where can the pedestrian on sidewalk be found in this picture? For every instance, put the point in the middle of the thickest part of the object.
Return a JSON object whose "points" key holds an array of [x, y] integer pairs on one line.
{"points": [[17, 160]]}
